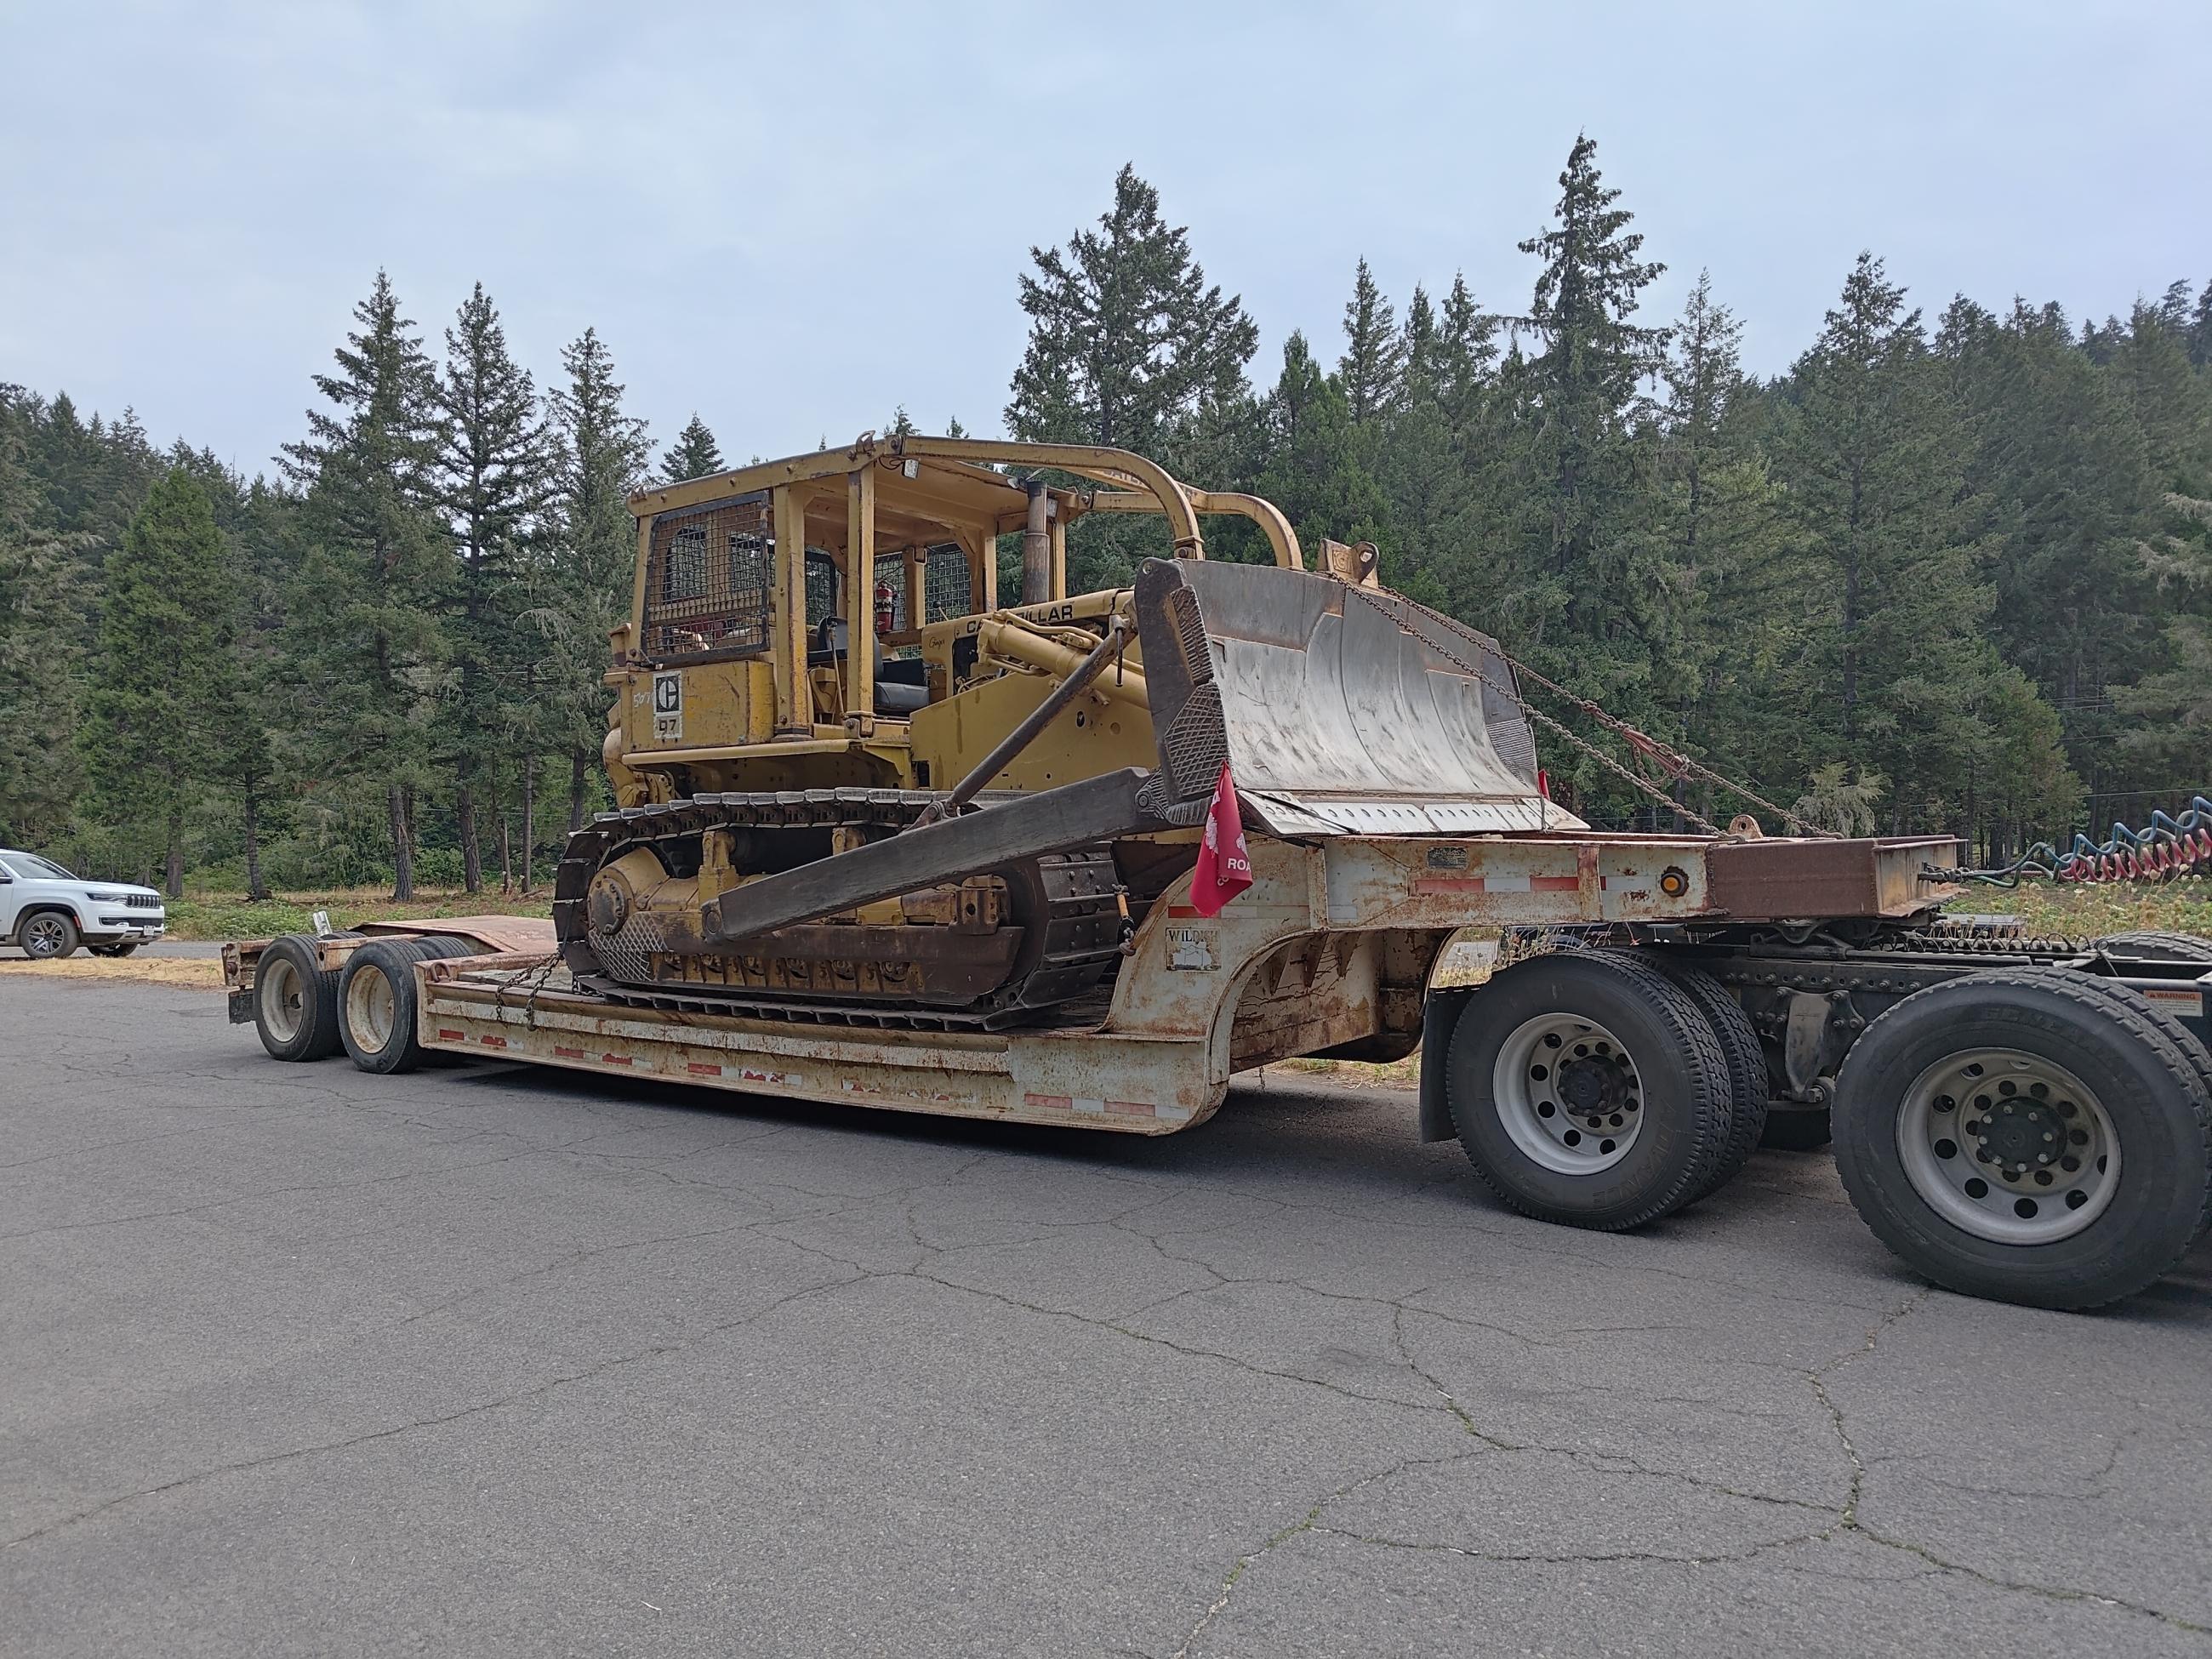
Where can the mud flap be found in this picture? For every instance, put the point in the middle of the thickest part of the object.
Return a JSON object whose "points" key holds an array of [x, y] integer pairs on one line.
{"points": [[1439, 1019]]}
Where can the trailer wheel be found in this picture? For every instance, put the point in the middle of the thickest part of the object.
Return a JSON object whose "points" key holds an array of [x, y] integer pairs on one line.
{"points": [[2024, 1135], [1589, 1090], [1750, 1087], [295, 1001], [377, 1000], [2175, 947]]}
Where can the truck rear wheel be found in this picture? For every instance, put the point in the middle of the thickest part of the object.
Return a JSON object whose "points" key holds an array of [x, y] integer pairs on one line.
{"points": [[2027, 1135], [1587, 1089], [2171, 947], [1750, 1087], [295, 1001], [377, 1001]]}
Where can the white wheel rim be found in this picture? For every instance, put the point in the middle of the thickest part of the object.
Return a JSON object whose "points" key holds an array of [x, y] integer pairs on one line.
{"points": [[2008, 1146], [1568, 1093], [368, 1009], [283, 998], [43, 936]]}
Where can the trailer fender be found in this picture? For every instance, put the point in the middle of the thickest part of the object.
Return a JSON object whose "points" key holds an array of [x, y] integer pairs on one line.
{"points": [[1439, 1019]]}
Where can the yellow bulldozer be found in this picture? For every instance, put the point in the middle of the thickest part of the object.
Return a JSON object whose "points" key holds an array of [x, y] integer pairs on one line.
{"points": [[855, 783]]}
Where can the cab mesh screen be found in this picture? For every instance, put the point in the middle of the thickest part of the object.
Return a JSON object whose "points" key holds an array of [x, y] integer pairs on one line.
{"points": [[707, 579]]}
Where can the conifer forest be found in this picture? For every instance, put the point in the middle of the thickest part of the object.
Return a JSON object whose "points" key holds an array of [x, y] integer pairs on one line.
{"points": [[1952, 571]]}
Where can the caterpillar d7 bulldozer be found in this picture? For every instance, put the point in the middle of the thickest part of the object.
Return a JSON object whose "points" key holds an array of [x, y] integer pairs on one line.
{"points": [[856, 784]]}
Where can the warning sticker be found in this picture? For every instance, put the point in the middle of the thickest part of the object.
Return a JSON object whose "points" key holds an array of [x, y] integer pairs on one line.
{"points": [[1195, 949], [668, 707]]}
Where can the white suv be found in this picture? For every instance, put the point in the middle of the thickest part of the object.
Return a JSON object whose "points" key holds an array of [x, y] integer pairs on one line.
{"points": [[46, 911]]}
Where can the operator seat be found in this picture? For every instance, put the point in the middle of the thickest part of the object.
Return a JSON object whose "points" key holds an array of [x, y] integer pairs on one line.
{"points": [[893, 696]]}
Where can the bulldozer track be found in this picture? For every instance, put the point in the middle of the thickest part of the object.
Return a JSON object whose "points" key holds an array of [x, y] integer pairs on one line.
{"points": [[1081, 921]]}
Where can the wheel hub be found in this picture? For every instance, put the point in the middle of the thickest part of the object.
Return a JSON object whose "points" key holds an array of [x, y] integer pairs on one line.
{"points": [[2008, 1146], [1568, 1093]]}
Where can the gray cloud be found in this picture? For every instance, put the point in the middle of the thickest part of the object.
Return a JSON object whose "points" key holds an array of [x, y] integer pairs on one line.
{"points": [[791, 218]]}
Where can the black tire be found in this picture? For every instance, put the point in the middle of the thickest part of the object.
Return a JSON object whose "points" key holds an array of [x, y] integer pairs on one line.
{"points": [[1791, 1128], [2169, 947], [47, 935], [295, 1001], [2144, 1088], [1682, 1115], [115, 950], [2193, 1052], [1749, 1086], [377, 1003]]}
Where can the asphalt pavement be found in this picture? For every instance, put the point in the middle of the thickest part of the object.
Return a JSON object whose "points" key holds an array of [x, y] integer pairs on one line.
{"points": [[294, 1359]]}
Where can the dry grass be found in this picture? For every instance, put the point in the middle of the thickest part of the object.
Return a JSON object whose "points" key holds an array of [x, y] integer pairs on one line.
{"points": [[180, 973], [230, 915]]}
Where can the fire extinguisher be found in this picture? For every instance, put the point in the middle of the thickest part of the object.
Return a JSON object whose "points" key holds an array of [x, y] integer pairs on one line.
{"points": [[886, 610]]}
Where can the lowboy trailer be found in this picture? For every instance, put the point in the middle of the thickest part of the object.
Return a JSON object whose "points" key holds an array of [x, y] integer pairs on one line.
{"points": [[882, 838], [1651, 1018]]}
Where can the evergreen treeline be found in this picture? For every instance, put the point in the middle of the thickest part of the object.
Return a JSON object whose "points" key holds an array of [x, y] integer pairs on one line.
{"points": [[1943, 575], [387, 656]]}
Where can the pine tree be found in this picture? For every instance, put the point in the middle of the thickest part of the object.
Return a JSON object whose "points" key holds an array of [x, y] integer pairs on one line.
{"points": [[492, 480], [41, 631], [1588, 597], [1129, 346], [1738, 565], [1583, 385], [1311, 465], [2059, 493], [605, 454], [365, 643], [1127, 339], [1896, 672], [1417, 347], [693, 455], [1374, 358], [165, 644]]}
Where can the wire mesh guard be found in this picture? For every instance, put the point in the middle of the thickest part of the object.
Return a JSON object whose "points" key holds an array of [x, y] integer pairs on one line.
{"points": [[708, 573], [947, 590]]}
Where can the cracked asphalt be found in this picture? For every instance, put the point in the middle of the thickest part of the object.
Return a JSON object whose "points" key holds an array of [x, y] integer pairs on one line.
{"points": [[297, 1360]]}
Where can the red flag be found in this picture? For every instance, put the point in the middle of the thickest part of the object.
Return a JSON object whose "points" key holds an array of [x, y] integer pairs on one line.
{"points": [[1224, 866]]}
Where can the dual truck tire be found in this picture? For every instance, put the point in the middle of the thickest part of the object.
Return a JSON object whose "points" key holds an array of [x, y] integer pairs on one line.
{"points": [[367, 1008], [2035, 1135]]}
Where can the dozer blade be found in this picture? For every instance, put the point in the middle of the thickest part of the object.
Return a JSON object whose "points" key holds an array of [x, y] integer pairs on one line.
{"points": [[1334, 715]]}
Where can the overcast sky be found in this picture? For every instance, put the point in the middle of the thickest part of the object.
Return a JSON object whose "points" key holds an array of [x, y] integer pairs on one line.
{"points": [[792, 218]]}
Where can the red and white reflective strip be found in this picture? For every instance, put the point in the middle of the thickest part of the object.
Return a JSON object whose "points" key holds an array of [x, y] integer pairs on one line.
{"points": [[1084, 1106]]}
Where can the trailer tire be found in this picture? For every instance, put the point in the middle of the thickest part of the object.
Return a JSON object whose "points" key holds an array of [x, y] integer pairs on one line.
{"points": [[377, 1001], [2175, 947], [2130, 1107], [1638, 1055], [295, 1001], [1749, 1086]]}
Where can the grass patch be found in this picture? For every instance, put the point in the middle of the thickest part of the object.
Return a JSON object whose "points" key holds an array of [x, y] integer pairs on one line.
{"points": [[232, 915], [2087, 911]]}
